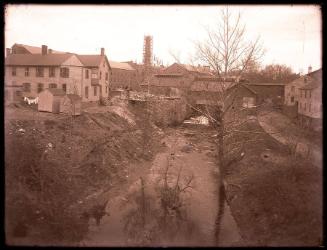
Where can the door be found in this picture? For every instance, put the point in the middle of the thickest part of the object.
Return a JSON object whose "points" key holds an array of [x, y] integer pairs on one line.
{"points": [[56, 106]]}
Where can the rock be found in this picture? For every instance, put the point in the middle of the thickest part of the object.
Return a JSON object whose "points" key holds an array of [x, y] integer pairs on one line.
{"points": [[187, 148], [21, 130]]}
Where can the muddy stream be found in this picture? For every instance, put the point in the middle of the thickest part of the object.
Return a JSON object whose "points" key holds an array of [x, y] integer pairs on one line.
{"points": [[195, 154]]}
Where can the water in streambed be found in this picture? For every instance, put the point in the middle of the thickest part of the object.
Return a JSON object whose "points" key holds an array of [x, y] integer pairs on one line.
{"points": [[201, 199]]}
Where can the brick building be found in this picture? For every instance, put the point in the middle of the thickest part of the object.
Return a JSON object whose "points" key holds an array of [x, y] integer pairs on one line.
{"points": [[178, 76], [123, 76]]}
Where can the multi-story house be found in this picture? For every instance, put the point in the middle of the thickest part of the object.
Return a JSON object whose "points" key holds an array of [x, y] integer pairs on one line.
{"points": [[303, 99], [96, 76], [28, 74], [310, 101]]}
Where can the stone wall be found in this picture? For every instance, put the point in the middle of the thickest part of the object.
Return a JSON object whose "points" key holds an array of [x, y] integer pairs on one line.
{"points": [[164, 112]]}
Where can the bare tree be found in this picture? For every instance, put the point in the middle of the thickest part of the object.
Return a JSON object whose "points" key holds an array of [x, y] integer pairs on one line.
{"points": [[229, 54]]}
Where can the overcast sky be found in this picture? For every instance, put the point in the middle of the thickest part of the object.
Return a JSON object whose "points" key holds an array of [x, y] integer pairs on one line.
{"points": [[291, 34]]}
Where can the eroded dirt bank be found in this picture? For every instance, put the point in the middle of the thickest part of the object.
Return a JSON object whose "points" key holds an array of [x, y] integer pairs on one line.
{"points": [[190, 154]]}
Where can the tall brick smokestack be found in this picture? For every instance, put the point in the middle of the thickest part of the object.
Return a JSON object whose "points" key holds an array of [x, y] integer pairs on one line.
{"points": [[102, 51]]}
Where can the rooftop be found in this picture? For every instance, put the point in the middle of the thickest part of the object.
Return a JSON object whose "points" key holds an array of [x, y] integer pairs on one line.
{"points": [[121, 65], [36, 50], [90, 60], [36, 59]]}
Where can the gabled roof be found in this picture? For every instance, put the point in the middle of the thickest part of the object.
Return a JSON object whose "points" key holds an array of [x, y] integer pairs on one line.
{"points": [[92, 60], [121, 65], [36, 59], [199, 69], [35, 50], [317, 74], [56, 92]]}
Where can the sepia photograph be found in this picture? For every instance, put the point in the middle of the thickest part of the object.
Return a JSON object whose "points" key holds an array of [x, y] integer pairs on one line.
{"points": [[163, 125]]}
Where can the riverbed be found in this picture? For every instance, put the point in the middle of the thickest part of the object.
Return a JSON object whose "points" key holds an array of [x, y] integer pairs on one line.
{"points": [[190, 151]]}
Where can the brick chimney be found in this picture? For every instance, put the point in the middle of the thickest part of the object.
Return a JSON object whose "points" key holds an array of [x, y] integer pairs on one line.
{"points": [[44, 49], [50, 51], [8, 51], [309, 69], [102, 51]]}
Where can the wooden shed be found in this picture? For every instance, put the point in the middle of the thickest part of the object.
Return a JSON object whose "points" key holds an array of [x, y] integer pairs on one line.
{"points": [[50, 100], [72, 104]]}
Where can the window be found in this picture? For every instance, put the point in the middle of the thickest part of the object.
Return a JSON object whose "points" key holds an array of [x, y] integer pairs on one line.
{"points": [[52, 86], [107, 75], [292, 99], [52, 72], [292, 88], [64, 87], [309, 107], [18, 93], [26, 87], [86, 74], [27, 71], [100, 90], [40, 87], [95, 90], [305, 106], [13, 72], [64, 72], [87, 92], [39, 71], [106, 89], [300, 105], [310, 93], [305, 94], [100, 75]]}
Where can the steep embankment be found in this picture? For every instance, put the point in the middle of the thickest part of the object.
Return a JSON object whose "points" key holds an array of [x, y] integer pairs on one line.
{"points": [[57, 167]]}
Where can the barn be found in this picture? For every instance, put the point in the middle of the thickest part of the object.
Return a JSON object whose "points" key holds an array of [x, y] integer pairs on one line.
{"points": [[50, 100], [72, 104]]}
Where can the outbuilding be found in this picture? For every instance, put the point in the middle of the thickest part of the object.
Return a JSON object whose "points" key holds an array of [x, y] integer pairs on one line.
{"points": [[72, 104], [50, 100]]}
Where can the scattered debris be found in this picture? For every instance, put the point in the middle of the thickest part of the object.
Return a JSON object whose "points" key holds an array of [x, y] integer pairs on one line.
{"points": [[21, 130], [187, 148]]}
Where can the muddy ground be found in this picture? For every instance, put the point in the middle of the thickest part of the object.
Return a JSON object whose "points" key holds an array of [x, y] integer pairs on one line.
{"points": [[274, 199]]}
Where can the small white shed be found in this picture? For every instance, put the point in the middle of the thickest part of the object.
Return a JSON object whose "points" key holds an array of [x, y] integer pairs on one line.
{"points": [[50, 100]]}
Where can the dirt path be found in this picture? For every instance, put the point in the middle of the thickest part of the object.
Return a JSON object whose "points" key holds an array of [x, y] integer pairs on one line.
{"points": [[196, 157], [283, 130]]}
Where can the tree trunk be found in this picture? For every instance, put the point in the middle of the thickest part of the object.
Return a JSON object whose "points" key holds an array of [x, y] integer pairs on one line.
{"points": [[221, 188]]}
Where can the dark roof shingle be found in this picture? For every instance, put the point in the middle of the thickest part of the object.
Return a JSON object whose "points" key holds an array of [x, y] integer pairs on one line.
{"points": [[90, 60], [36, 59], [35, 50]]}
